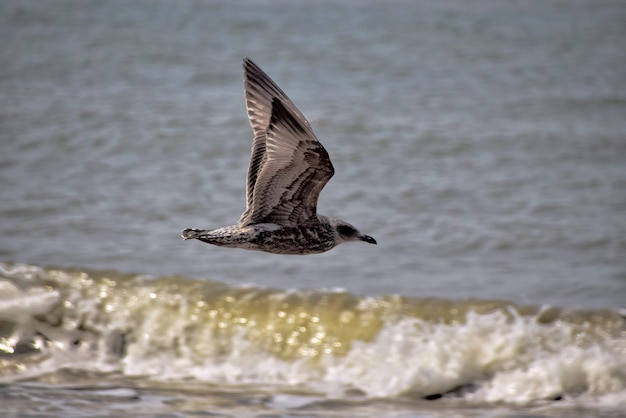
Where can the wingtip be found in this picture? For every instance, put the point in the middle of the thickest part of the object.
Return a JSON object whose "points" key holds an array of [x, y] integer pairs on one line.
{"points": [[247, 63], [251, 70]]}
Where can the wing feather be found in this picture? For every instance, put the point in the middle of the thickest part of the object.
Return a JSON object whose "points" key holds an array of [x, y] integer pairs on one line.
{"points": [[260, 90], [295, 168]]}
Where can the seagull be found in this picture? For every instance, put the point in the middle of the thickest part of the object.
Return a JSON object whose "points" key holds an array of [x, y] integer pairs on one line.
{"points": [[288, 169]]}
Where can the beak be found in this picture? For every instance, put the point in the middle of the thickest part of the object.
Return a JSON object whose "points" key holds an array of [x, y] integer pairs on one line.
{"points": [[367, 239]]}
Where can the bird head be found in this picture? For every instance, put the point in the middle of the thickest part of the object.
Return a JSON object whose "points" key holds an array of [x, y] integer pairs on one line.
{"points": [[346, 232]]}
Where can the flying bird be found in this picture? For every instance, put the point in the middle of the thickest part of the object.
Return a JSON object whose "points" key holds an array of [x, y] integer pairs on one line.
{"points": [[288, 169]]}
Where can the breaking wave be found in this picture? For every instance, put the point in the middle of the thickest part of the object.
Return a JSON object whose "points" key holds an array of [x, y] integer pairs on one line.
{"points": [[334, 342]]}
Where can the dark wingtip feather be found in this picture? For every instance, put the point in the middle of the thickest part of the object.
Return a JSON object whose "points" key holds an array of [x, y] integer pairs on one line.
{"points": [[280, 114]]}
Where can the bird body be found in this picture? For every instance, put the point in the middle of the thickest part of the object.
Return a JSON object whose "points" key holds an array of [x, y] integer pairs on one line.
{"points": [[309, 239], [288, 169]]}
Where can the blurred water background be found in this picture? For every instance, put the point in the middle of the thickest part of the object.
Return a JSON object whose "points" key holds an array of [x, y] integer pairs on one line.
{"points": [[482, 144]]}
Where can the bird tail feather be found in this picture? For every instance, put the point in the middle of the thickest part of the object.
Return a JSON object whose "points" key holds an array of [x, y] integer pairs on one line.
{"points": [[191, 233]]}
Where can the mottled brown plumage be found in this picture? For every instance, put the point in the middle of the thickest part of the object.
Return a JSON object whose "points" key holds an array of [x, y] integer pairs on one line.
{"points": [[288, 169]]}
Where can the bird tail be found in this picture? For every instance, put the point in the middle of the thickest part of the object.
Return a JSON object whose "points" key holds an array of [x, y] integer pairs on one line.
{"points": [[191, 233]]}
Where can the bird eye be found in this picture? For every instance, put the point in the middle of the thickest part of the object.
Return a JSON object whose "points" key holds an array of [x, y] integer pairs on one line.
{"points": [[346, 230]]}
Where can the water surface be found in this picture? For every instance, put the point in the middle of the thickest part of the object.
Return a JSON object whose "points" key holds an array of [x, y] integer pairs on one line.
{"points": [[484, 148]]}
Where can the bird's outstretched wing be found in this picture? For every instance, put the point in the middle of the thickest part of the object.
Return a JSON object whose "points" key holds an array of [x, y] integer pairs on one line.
{"points": [[260, 91], [288, 166]]}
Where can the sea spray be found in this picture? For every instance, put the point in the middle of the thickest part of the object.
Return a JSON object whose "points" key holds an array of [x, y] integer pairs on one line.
{"points": [[176, 329]]}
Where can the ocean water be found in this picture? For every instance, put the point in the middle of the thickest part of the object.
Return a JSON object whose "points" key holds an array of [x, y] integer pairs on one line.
{"points": [[482, 144]]}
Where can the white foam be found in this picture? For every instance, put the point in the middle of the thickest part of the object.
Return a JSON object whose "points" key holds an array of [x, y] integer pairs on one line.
{"points": [[496, 357], [516, 361], [20, 304]]}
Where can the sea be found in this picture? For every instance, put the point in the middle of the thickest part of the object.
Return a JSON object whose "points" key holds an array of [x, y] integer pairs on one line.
{"points": [[482, 143]]}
